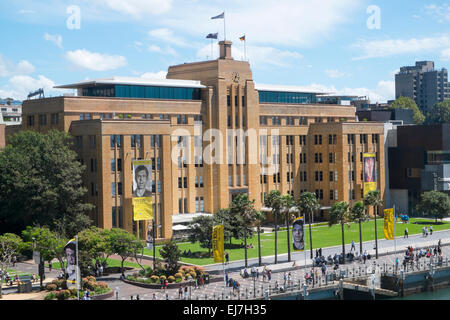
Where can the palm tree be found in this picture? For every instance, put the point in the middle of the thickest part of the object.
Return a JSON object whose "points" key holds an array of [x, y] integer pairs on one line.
{"points": [[373, 199], [243, 206], [358, 213], [287, 204], [339, 215], [273, 201], [259, 217], [308, 204]]}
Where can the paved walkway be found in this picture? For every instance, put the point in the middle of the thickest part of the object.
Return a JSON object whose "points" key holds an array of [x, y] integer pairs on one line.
{"points": [[249, 287]]}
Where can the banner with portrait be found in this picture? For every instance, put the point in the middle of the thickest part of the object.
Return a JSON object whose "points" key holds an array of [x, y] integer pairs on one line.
{"points": [[298, 239], [370, 174], [218, 243], [142, 190], [149, 238], [389, 224], [72, 270]]}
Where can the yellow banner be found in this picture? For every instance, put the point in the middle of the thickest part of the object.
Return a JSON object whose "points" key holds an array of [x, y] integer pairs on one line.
{"points": [[143, 209], [218, 243], [370, 175], [389, 224]]}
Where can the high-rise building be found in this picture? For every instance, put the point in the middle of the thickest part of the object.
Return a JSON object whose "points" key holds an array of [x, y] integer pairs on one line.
{"points": [[235, 136], [422, 83]]}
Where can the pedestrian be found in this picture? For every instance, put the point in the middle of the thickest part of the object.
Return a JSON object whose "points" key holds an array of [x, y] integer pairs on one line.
{"points": [[284, 278], [396, 263], [227, 258], [131, 298], [423, 231], [431, 230], [439, 243], [50, 266], [257, 274], [264, 274], [100, 270], [166, 284], [167, 296], [406, 233], [180, 291], [320, 252], [426, 231], [154, 297], [365, 256], [226, 277], [137, 297], [269, 275], [353, 246], [289, 279], [185, 292], [196, 282]]}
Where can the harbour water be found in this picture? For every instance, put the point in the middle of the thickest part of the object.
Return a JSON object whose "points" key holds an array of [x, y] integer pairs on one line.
{"points": [[442, 294]]}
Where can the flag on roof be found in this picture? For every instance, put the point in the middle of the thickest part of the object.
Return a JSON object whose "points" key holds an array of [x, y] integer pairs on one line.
{"points": [[212, 36], [242, 38], [220, 16]]}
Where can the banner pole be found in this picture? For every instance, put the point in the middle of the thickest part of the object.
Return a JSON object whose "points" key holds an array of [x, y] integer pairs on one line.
{"points": [[395, 240], [154, 244]]}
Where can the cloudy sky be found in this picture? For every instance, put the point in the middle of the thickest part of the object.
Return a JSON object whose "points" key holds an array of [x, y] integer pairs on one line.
{"points": [[350, 47]]}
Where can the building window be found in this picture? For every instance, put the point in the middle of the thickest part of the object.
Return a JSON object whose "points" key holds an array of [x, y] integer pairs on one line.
{"points": [[180, 182], [54, 118], [363, 138], [30, 121], [79, 141], [262, 120], [351, 139], [43, 119], [317, 139], [302, 140], [375, 138], [113, 189], [113, 165]]}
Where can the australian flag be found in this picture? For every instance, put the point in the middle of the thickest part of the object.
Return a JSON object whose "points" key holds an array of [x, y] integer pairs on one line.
{"points": [[212, 36]]}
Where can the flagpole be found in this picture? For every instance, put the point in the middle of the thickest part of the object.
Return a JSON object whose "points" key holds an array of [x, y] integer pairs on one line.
{"points": [[224, 28], [245, 48], [395, 240]]}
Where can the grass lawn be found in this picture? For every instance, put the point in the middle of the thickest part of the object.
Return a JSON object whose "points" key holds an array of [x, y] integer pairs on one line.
{"points": [[110, 262], [323, 236]]}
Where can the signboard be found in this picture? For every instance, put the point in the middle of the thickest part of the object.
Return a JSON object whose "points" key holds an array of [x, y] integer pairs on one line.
{"points": [[218, 243], [298, 239], [142, 190], [370, 174]]}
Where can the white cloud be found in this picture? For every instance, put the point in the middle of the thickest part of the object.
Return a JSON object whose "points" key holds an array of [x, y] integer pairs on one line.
{"points": [[167, 35], [154, 75], [18, 87], [289, 22], [385, 48], [334, 73], [137, 8], [258, 56], [441, 12], [56, 39], [445, 55], [8, 68], [95, 61]]}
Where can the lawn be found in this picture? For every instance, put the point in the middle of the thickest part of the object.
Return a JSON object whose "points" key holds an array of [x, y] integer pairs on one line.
{"points": [[110, 262], [323, 236]]}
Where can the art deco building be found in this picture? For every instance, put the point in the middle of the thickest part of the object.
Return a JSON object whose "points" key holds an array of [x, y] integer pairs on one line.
{"points": [[302, 144]]}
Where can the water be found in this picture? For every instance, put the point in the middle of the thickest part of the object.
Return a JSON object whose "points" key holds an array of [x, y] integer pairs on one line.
{"points": [[442, 294]]}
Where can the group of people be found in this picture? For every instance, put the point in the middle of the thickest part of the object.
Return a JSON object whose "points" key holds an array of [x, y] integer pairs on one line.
{"points": [[410, 256], [183, 292], [10, 281], [425, 231], [255, 274]]}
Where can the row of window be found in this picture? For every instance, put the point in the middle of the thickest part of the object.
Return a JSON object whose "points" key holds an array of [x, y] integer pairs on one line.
{"points": [[238, 183], [199, 205], [54, 119], [236, 121], [235, 101], [116, 140]]}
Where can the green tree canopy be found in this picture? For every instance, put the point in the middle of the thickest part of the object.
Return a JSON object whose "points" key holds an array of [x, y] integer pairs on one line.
{"points": [[95, 242], [408, 103], [10, 246], [124, 244], [200, 229], [440, 113], [171, 254], [435, 204], [40, 183]]}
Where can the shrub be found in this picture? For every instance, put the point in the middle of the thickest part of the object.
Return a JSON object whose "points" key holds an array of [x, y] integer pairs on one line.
{"points": [[178, 275], [199, 269], [155, 279], [142, 273], [148, 271], [193, 274], [73, 292], [50, 296], [51, 287], [62, 294], [171, 279], [162, 278], [177, 280]]}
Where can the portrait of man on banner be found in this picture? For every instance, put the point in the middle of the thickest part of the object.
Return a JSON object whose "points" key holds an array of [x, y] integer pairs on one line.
{"points": [[70, 252], [298, 241], [142, 182], [142, 190]]}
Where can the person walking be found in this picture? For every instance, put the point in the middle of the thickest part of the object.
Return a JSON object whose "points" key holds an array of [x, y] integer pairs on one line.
{"points": [[353, 246], [50, 266], [227, 258], [180, 291], [185, 292], [431, 230], [406, 234], [285, 279]]}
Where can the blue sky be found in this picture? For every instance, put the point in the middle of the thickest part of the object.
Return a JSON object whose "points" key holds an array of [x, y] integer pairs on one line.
{"points": [[326, 45]]}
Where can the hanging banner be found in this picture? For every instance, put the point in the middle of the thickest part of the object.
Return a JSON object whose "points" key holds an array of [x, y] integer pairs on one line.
{"points": [[370, 175], [142, 190], [298, 239], [70, 250], [149, 238], [389, 224], [218, 243]]}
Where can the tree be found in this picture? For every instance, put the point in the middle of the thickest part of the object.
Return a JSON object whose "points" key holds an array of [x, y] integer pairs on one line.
{"points": [[40, 183], [358, 213], [273, 201], [94, 241], [244, 207], [10, 246], [171, 254], [440, 113], [373, 199], [435, 204], [287, 204], [49, 244], [124, 244], [259, 218], [200, 229], [408, 103], [308, 205], [229, 221], [339, 215]]}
